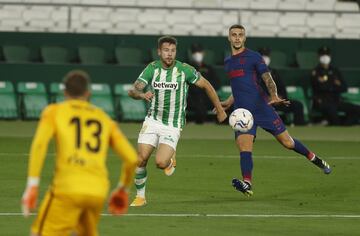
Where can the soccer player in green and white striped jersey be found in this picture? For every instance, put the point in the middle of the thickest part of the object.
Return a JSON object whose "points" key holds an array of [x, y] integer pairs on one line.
{"points": [[169, 80]]}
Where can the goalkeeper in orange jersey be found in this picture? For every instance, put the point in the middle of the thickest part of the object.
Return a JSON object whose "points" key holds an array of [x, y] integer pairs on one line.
{"points": [[83, 134]]}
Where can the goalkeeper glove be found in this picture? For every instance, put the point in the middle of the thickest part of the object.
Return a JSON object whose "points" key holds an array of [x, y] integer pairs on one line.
{"points": [[29, 198], [119, 201]]}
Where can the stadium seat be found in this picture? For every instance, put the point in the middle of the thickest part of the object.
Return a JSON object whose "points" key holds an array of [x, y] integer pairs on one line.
{"points": [[57, 92], [321, 25], [33, 99], [320, 5], [94, 2], [346, 6], [54, 54], [8, 108], [128, 108], [238, 3], [16, 53], [207, 3], [129, 56], [265, 19], [294, 22], [91, 55], [278, 59], [352, 95], [208, 18], [306, 59], [124, 27], [101, 97], [264, 4], [321, 20], [152, 15], [292, 5], [123, 2], [297, 93], [349, 24], [176, 3], [152, 3], [182, 29], [157, 27], [180, 17]]}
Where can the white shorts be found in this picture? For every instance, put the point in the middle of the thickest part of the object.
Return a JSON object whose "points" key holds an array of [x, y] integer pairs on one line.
{"points": [[154, 132]]}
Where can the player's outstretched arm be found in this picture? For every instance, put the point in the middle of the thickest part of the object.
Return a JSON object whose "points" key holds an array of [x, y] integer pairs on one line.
{"points": [[136, 91], [44, 133], [211, 93], [271, 86], [118, 202], [228, 102]]}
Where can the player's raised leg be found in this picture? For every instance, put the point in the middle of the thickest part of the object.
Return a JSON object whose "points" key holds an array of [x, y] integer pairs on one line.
{"points": [[144, 153], [165, 158], [165, 155], [245, 145], [287, 141]]}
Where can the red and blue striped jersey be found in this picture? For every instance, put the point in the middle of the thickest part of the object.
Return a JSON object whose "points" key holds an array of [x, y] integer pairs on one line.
{"points": [[244, 71]]}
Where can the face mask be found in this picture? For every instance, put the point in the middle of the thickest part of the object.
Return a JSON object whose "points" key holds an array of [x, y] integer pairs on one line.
{"points": [[266, 60], [198, 57], [325, 59]]}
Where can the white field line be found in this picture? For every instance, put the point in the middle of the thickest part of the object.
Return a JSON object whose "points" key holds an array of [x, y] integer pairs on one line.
{"points": [[214, 137], [223, 215], [216, 156]]}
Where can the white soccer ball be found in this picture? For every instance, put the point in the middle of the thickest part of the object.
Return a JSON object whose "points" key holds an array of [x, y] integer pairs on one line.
{"points": [[241, 120]]}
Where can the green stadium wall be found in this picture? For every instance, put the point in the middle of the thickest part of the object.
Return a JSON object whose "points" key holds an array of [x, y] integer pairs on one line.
{"points": [[345, 55]]}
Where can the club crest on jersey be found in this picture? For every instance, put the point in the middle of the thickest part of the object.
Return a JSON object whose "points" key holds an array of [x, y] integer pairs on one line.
{"points": [[165, 85]]}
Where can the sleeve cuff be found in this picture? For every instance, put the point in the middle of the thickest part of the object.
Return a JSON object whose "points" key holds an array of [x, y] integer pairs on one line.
{"points": [[141, 79], [33, 181]]}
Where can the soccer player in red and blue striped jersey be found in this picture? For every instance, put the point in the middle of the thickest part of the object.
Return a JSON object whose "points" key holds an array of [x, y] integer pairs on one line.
{"points": [[245, 69]]}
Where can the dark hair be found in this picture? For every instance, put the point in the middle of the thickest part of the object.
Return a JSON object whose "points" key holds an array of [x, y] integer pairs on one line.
{"points": [[324, 50], [76, 83], [264, 51], [196, 47], [167, 39], [236, 26]]}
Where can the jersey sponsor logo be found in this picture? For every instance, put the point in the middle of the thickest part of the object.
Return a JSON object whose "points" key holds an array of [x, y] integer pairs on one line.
{"points": [[165, 85], [236, 73]]}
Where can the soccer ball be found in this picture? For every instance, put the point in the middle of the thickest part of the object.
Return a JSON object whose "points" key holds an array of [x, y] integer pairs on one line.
{"points": [[241, 120]]}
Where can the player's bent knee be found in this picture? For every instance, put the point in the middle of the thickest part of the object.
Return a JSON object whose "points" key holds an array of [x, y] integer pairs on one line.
{"points": [[161, 164], [288, 143]]}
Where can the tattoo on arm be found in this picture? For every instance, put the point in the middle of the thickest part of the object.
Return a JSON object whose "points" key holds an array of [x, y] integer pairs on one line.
{"points": [[139, 85], [270, 84], [137, 89]]}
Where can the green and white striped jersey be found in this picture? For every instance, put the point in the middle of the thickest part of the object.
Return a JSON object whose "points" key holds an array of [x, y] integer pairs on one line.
{"points": [[170, 88]]}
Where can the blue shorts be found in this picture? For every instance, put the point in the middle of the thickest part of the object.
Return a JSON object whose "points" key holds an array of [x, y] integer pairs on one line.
{"points": [[267, 118]]}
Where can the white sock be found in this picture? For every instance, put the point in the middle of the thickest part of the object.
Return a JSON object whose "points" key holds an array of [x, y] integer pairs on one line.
{"points": [[140, 180]]}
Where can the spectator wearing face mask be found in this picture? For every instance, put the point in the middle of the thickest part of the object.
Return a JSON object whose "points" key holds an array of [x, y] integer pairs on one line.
{"points": [[198, 102], [327, 85], [296, 107]]}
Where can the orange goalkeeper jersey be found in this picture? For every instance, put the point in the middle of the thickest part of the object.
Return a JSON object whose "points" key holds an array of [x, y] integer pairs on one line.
{"points": [[83, 134]]}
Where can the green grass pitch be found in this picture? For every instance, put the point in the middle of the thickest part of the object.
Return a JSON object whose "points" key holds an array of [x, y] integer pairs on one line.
{"points": [[291, 196]]}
